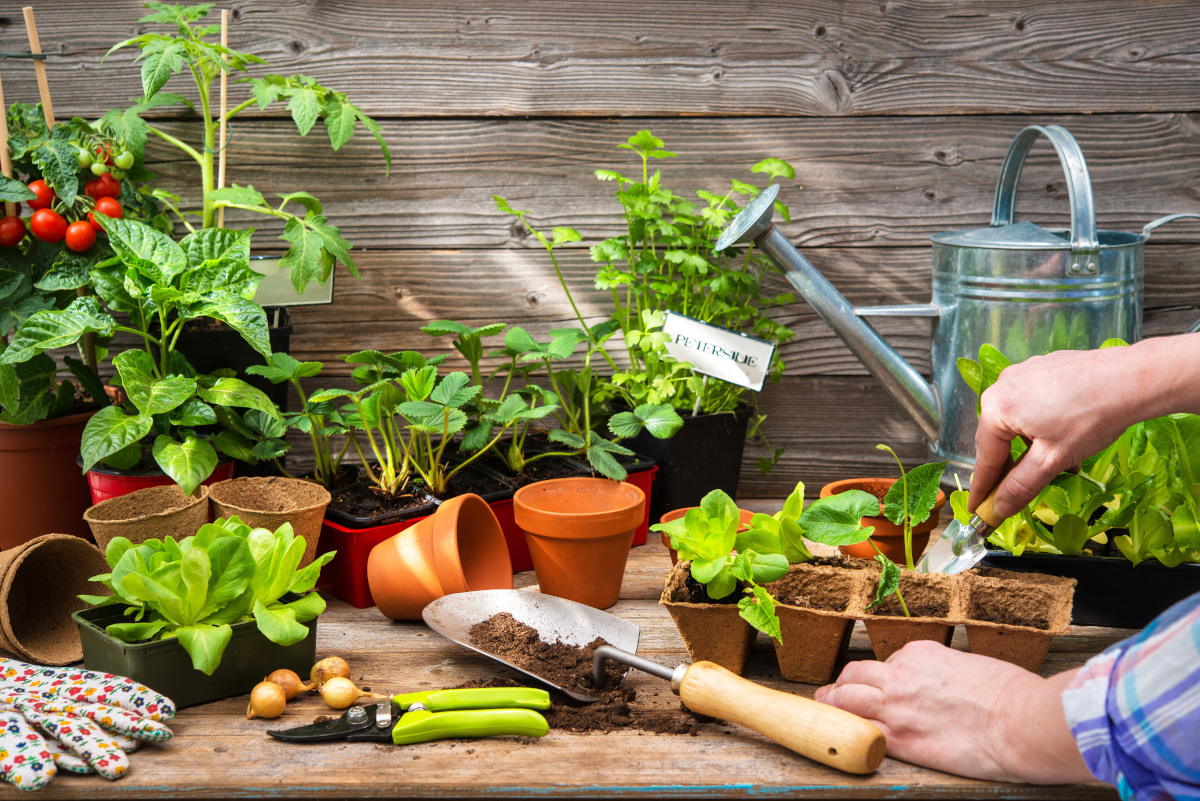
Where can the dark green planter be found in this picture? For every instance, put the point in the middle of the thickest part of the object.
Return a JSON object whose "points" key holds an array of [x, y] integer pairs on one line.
{"points": [[163, 665]]}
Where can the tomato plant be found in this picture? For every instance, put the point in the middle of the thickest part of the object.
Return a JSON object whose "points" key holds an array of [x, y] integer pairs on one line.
{"points": [[12, 231], [48, 225], [45, 195], [80, 236]]}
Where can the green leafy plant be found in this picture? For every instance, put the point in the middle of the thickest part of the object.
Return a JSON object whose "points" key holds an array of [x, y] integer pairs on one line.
{"points": [[196, 589], [155, 285], [315, 245]]}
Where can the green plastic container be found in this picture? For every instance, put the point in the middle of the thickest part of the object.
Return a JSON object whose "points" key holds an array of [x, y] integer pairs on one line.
{"points": [[163, 665]]}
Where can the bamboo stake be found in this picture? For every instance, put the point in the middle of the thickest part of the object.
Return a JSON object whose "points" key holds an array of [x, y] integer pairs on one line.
{"points": [[10, 208], [39, 66], [224, 102]]}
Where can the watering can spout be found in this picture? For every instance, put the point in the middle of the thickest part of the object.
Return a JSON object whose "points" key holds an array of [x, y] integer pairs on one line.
{"points": [[899, 378]]}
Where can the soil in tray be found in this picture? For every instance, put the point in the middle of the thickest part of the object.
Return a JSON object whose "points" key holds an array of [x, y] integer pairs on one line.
{"points": [[571, 666], [468, 481], [363, 499], [541, 470], [923, 600]]}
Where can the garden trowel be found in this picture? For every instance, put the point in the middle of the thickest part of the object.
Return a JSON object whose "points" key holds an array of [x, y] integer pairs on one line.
{"points": [[818, 731], [962, 545]]}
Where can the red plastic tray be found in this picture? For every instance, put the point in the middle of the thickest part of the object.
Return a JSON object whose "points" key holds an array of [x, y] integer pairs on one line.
{"points": [[346, 576]]}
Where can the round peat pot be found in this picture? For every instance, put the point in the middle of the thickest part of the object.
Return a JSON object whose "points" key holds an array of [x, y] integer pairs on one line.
{"points": [[42, 490], [150, 513], [40, 582], [459, 547], [107, 483], [888, 536], [744, 514], [579, 532], [262, 502]]}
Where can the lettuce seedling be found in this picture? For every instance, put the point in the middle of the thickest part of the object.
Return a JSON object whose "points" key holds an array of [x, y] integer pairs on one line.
{"points": [[197, 588]]}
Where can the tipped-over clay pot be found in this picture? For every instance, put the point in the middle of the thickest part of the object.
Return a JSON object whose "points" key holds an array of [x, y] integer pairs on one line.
{"points": [[459, 547], [579, 532], [888, 536]]}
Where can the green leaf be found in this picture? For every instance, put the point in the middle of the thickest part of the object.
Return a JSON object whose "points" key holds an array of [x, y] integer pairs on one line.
{"points": [[339, 122], [661, 420], [311, 605], [59, 165], [136, 632], [278, 623], [205, 643], [303, 258], [835, 520], [306, 200], [188, 463], [305, 106], [285, 368], [889, 580], [149, 395], [110, 430], [242, 315], [146, 249], [454, 392], [924, 483], [14, 191], [193, 412], [706, 571], [1070, 534], [775, 168], [238, 196], [759, 612], [196, 571], [769, 567], [54, 329], [377, 132], [212, 245], [163, 58], [721, 586], [235, 392]]}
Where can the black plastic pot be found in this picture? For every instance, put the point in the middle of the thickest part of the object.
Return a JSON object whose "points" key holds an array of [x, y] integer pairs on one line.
{"points": [[208, 350], [1110, 591], [163, 665], [704, 455]]}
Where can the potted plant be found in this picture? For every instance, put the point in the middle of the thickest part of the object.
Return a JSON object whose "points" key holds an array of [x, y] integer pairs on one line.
{"points": [[156, 285], [1124, 526], [666, 261], [207, 616]]}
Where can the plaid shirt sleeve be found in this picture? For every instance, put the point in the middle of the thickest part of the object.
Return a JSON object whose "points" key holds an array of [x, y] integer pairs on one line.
{"points": [[1135, 709]]}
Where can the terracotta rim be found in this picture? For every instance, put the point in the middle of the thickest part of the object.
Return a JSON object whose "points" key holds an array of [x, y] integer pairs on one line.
{"points": [[54, 423], [835, 487], [624, 512], [466, 525]]}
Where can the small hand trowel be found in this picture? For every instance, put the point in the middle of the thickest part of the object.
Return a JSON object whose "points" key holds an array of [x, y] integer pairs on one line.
{"points": [[961, 547], [820, 732]]}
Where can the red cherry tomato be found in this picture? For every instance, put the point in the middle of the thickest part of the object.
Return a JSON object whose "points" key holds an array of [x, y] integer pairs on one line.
{"points": [[104, 186], [104, 154], [80, 236], [45, 195], [107, 206], [48, 225], [12, 231]]}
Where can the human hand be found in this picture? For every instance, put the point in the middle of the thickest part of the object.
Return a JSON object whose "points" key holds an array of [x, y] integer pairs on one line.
{"points": [[1068, 405], [962, 713]]}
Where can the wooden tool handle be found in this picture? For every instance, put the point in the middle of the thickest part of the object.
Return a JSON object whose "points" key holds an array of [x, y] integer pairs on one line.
{"points": [[986, 511], [818, 731]]}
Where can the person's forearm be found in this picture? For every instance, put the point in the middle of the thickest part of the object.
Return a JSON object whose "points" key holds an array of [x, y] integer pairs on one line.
{"points": [[1035, 744], [1163, 374]]}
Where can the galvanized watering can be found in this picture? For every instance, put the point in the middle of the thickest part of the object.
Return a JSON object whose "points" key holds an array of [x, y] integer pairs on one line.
{"points": [[1025, 289]]}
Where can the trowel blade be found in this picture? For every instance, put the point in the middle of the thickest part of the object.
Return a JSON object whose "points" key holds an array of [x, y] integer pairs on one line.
{"points": [[553, 618], [960, 548]]}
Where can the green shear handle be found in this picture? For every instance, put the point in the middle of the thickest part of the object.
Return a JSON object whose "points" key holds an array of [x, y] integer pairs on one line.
{"points": [[421, 726], [476, 698]]}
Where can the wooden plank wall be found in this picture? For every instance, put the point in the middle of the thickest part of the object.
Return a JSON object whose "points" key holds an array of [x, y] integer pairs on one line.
{"points": [[896, 115]]}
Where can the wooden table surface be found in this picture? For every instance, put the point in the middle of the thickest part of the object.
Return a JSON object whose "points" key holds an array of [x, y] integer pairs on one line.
{"points": [[217, 753]]}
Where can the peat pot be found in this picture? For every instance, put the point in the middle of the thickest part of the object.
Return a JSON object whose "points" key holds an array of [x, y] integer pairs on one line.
{"points": [[712, 632], [151, 513], [579, 531], [262, 502]]}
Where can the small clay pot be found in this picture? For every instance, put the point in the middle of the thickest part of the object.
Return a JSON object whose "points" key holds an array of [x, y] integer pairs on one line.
{"points": [[816, 605], [888, 536], [151, 513], [579, 531], [1015, 616], [745, 514], [270, 501], [712, 632], [40, 582], [460, 547], [933, 601]]}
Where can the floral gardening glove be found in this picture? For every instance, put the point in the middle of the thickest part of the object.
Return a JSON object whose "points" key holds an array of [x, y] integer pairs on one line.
{"points": [[26, 760], [87, 686]]}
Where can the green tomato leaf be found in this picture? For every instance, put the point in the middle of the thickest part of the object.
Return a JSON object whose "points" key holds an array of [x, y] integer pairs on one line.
{"points": [[213, 245], [55, 329], [303, 258], [14, 191], [56, 159]]}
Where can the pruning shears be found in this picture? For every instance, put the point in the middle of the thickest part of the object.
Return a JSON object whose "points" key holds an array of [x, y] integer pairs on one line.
{"points": [[434, 715]]}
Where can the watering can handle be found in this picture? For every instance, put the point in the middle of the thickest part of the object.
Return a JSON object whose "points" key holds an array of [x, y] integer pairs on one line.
{"points": [[1085, 247], [1150, 226]]}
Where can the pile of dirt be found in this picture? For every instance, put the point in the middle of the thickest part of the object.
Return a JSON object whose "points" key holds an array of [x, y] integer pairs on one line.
{"points": [[571, 667]]}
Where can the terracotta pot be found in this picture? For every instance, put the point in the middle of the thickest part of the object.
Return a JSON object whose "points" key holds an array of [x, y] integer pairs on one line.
{"points": [[107, 483], [888, 536], [745, 514], [262, 502], [816, 607], [1015, 616], [151, 513], [458, 548], [579, 532], [42, 490], [711, 632], [39, 584], [933, 600]]}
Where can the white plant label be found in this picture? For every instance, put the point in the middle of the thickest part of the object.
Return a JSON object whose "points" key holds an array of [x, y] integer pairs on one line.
{"points": [[718, 352]]}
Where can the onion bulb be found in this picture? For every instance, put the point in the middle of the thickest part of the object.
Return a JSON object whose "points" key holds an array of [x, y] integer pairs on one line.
{"points": [[339, 692], [328, 668], [289, 681], [267, 700]]}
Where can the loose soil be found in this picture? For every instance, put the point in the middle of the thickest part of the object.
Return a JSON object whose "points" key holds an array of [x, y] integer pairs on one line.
{"points": [[922, 597], [571, 666], [829, 592]]}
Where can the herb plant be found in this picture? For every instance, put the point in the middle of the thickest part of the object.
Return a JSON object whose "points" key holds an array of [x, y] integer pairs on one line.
{"points": [[196, 589]]}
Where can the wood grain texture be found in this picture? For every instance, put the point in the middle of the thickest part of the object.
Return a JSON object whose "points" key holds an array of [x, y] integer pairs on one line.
{"points": [[217, 753], [621, 58]]}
